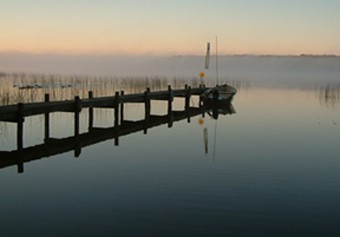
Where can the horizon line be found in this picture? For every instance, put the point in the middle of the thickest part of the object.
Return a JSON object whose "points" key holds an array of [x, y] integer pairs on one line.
{"points": [[13, 52]]}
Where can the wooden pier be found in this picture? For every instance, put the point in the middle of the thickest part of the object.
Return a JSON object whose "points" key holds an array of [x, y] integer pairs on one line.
{"points": [[122, 127], [17, 113]]}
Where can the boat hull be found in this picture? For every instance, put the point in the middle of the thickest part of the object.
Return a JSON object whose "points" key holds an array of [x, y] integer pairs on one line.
{"points": [[218, 95]]}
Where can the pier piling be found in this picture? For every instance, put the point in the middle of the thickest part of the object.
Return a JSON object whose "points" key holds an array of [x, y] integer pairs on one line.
{"points": [[90, 95], [77, 110], [47, 119], [147, 106]]}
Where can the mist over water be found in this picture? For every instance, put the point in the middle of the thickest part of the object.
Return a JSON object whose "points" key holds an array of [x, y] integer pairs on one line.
{"points": [[268, 71]]}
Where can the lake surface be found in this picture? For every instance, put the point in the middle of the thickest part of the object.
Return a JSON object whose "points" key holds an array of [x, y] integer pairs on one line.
{"points": [[270, 169]]}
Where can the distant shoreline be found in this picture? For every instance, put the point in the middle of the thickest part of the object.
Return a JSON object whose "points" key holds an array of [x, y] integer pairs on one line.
{"points": [[16, 53]]}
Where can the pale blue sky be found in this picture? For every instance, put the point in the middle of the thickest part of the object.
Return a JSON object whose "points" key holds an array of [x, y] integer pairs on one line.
{"points": [[170, 27]]}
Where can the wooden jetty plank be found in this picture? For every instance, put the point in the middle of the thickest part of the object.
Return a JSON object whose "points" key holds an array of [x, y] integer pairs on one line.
{"points": [[133, 98], [101, 102], [9, 113]]}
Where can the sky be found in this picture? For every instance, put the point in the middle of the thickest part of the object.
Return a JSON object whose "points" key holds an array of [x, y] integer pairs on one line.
{"points": [[176, 27]]}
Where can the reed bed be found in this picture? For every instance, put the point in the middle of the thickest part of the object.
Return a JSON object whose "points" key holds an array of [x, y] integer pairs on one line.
{"points": [[24, 88], [329, 94]]}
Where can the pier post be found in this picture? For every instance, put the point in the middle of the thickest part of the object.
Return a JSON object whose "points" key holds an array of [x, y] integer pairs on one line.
{"points": [[200, 100], [20, 165], [187, 100], [20, 137], [147, 102], [77, 110], [20, 127], [116, 108], [121, 109], [20, 134], [170, 99], [116, 115], [90, 95], [187, 96], [47, 119]]}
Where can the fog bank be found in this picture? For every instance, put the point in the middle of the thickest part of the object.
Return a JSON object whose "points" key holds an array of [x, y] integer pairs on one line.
{"points": [[263, 70]]}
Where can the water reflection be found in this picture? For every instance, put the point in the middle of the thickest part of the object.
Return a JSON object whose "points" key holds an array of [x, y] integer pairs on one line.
{"points": [[329, 94], [52, 146]]}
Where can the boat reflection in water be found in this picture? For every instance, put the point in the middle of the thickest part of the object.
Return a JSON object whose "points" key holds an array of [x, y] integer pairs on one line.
{"points": [[218, 108], [53, 146]]}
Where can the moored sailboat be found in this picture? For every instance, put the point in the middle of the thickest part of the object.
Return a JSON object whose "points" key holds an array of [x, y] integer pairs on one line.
{"points": [[220, 93]]}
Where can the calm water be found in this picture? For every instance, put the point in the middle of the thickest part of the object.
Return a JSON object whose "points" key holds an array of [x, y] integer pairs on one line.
{"points": [[272, 169]]}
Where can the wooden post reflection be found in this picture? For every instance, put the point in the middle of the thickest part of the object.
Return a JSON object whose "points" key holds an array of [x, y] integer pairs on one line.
{"points": [[20, 167], [77, 149]]}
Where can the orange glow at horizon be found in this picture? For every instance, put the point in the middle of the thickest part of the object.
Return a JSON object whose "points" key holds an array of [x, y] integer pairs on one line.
{"points": [[161, 47]]}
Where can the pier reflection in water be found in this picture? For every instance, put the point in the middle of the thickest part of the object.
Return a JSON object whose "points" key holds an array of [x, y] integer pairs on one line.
{"points": [[53, 146]]}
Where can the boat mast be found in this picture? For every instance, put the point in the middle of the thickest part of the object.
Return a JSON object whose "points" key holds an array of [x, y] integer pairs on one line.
{"points": [[216, 61]]}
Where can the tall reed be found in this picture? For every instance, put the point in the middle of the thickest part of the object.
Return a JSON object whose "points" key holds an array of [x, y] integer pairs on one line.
{"points": [[22, 87], [329, 94]]}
